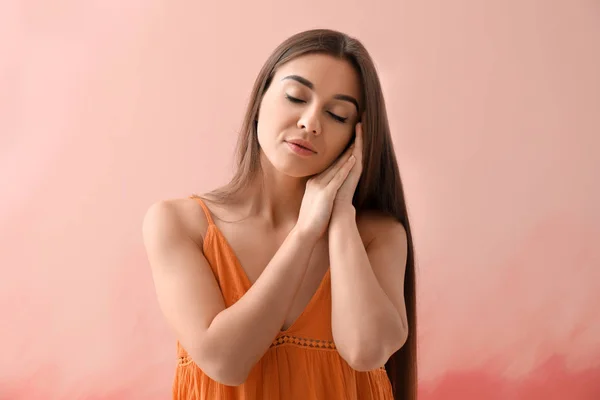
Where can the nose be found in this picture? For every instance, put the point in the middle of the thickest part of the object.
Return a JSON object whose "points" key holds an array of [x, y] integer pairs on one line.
{"points": [[310, 122]]}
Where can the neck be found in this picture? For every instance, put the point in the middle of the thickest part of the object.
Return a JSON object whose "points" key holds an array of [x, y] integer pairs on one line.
{"points": [[275, 197]]}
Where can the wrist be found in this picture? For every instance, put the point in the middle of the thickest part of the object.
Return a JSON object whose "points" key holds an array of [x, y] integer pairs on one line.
{"points": [[342, 219], [344, 211], [304, 236]]}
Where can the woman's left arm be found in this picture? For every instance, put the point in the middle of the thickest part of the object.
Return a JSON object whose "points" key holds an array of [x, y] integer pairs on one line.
{"points": [[369, 321], [367, 284]]}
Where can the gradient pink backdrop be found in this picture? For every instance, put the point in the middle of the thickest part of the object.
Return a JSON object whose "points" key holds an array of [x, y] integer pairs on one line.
{"points": [[108, 106]]}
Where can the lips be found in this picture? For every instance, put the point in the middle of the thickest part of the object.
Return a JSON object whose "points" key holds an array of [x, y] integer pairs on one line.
{"points": [[303, 144]]}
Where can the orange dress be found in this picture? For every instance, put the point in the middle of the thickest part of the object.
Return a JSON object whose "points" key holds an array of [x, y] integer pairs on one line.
{"points": [[302, 362]]}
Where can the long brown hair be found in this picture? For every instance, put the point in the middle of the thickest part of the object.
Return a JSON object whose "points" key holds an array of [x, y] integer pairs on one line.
{"points": [[380, 187]]}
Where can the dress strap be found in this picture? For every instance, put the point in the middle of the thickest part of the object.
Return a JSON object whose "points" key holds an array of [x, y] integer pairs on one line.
{"points": [[205, 208]]}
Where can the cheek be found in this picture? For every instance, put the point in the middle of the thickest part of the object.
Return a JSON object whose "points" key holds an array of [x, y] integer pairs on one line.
{"points": [[264, 141], [272, 119], [342, 144], [336, 148]]}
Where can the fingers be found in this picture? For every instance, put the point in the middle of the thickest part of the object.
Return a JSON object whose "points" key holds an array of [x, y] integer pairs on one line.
{"points": [[358, 141], [341, 175]]}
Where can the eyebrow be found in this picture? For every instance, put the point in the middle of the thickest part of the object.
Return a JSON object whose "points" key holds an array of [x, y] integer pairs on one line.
{"points": [[311, 86]]}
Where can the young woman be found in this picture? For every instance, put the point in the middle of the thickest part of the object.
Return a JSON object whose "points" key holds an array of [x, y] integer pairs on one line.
{"points": [[295, 280]]}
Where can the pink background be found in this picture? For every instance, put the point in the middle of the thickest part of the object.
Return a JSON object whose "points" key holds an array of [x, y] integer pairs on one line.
{"points": [[108, 106]]}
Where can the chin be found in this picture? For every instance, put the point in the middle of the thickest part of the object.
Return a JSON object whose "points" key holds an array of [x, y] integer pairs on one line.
{"points": [[295, 171], [290, 166], [294, 168]]}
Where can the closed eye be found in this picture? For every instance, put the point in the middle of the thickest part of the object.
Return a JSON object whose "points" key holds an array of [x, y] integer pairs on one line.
{"points": [[293, 99], [337, 117], [334, 116]]}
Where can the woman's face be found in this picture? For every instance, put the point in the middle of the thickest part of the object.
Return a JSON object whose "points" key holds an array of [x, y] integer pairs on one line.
{"points": [[312, 102]]}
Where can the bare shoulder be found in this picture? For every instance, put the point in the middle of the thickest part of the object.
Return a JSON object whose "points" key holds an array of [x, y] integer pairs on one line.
{"points": [[171, 218], [374, 224]]}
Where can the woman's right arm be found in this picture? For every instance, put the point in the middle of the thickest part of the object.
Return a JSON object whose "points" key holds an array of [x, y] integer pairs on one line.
{"points": [[224, 342]]}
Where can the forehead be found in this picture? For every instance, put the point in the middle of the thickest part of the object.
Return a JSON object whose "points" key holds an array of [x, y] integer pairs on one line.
{"points": [[329, 75]]}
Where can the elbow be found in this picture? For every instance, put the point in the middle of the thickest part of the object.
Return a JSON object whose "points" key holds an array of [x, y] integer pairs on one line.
{"points": [[226, 376], [363, 360], [367, 357], [221, 369], [362, 355]]}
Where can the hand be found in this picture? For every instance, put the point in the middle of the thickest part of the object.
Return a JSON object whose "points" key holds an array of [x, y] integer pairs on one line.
{"points": [[319, 195], [346, 191]]}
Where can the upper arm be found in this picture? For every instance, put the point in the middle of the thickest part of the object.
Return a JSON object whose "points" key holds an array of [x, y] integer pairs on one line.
{"points": [[186, 288], [387, 252]]}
